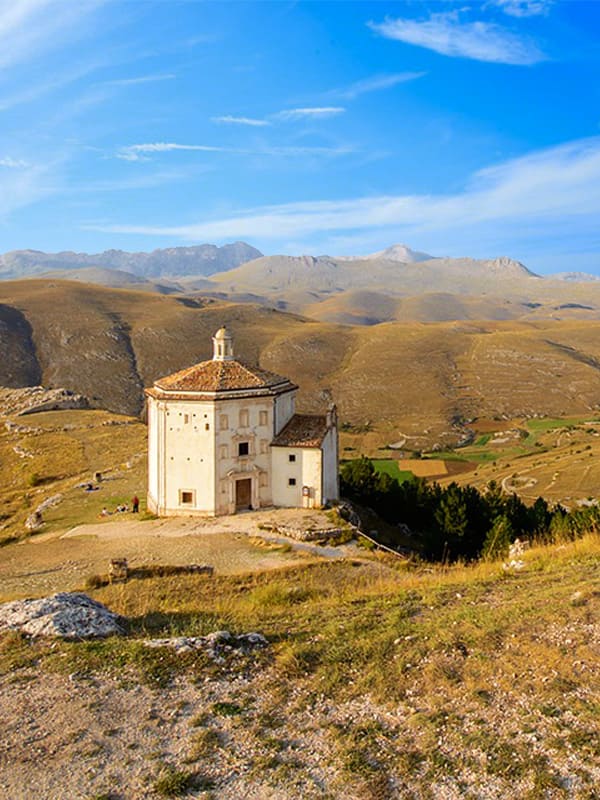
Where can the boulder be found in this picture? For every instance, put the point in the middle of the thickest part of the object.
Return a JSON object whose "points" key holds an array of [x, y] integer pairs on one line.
{"points": [[67, 615]]}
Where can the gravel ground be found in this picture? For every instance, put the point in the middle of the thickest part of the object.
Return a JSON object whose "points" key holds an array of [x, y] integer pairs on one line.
{"points": [[47, 563]]}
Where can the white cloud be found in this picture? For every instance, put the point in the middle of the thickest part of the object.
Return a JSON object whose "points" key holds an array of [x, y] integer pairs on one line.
{"points": [[231, 120], [31, 27], [550, 189], [525, 8], [481, 41], [141, 152], [140, 79], [310, 113], [376, 83], [13, 163]]}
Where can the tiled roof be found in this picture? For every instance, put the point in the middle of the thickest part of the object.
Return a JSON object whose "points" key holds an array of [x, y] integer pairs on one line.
{"points": [[303, 430], [220, 376]]}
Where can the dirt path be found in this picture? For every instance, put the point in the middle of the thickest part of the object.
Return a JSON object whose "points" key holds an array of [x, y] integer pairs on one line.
{"points": [[53, 562]]}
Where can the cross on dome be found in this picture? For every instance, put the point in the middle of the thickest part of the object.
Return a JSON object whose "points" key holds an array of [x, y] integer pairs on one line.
{"points": [[223, 345]]}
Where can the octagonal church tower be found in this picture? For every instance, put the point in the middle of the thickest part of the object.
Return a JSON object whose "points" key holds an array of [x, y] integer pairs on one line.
{"points": [[223, 437]]}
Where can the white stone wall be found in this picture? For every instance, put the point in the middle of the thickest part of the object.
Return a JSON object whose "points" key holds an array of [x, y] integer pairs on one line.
{"points": [[190, 457], [285, 408], [248, 421], [305, 470]]}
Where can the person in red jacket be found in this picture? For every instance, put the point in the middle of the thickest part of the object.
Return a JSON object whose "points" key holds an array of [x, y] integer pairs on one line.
{"points": [[135, 504]]}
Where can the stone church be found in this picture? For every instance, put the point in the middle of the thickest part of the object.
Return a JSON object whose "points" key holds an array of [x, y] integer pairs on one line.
{"points": [[224, 436]]}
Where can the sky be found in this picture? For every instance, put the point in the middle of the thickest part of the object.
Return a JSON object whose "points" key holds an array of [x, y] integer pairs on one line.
{"points": [[340, 128]]}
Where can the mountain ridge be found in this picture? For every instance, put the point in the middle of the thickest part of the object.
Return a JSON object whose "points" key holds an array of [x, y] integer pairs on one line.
{"points": [[204, 259]]}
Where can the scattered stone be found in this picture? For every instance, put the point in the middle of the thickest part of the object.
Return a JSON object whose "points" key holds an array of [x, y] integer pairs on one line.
{"points": [[215, 645], [49, 502], [66, 615], [34, 521], [117, 570], [513, 565], [517, 548], [578, 599]]}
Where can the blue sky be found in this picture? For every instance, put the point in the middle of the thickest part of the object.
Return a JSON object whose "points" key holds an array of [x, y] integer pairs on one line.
{"points": [[303, 127]]}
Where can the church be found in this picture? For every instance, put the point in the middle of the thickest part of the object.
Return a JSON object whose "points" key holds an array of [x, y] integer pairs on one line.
{"points": [[224, 437]]}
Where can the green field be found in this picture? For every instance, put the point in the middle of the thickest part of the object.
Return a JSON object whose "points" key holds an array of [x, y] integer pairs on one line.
{"points": [[390, 467]]}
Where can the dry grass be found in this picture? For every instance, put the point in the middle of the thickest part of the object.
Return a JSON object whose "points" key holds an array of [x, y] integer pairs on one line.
{"points": [[410, 679]]}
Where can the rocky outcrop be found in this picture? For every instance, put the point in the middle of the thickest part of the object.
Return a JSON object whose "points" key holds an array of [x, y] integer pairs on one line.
{"points": [[34, 399], [67, 615], [215, 645]]}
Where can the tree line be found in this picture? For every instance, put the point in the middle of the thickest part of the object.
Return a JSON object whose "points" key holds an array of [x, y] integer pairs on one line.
{"points": [[460, 521]]}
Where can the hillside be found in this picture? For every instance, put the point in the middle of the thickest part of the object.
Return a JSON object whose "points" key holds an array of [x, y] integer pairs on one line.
{"points": [[380, 288], [390, 381], [379, 680]]}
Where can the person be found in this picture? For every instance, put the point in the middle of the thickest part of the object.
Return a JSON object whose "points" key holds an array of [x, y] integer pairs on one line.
{"points": [[105, 512], [135, 504]]}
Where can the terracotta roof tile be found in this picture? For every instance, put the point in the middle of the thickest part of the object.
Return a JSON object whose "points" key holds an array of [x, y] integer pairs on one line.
{"points": [[303, 430], [219, 376]]}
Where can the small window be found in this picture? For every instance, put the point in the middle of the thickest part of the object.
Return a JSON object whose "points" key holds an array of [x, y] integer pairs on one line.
{"points": [[186, 497], [291, 481], [224, 422], [224, 450], [243, 449], [207, 427], [292, 457], [244, 418], [263, 418], [264, 445], [263, 479], [186, 419]]}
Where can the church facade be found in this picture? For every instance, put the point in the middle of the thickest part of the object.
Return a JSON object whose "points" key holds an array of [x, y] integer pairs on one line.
{"points": [[224, 436]]}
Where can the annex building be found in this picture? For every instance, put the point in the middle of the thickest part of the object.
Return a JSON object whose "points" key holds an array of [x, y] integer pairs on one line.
{"points": [[224, 436]]}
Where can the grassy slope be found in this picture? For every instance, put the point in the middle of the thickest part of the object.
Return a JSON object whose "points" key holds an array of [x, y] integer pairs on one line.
{"points": [[461, 682], [403, 379], [62, 449]]}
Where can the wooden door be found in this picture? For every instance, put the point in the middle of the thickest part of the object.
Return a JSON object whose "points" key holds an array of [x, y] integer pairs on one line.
{"points": [[243, 494]]}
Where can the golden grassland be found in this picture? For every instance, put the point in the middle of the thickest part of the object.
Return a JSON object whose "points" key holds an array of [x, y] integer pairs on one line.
{"points": [[57, 451], [390, 381], [464, 676]]}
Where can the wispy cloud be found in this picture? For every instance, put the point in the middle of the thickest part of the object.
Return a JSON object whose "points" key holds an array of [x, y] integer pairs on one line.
{"points": [[22, 187], [231, 120], [525, 8], [141, 152], [13, 163], [559, 185], [376, 83], [313, 112], [139, 79], [31, 27], [445, 34]]}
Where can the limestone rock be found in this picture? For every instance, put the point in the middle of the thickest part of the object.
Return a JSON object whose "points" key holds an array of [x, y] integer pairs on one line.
{"points": [[214, 644], [66, 615]]}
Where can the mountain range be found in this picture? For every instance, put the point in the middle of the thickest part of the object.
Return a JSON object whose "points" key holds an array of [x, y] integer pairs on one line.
{"points": [[395, 284], [204, 259]]}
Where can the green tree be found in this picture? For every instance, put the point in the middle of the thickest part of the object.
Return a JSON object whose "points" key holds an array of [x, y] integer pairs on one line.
{"points": [[499, 538]]}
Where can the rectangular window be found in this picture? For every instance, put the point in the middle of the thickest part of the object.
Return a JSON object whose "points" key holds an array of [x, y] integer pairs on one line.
{"points": [[291, 457], [291, 481], [186, 419], [263, 479], [185, 497], [264, 445], [224, 451], [263, 418], [224, 422], [243, 449], [244, 418], [206, 426]]}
